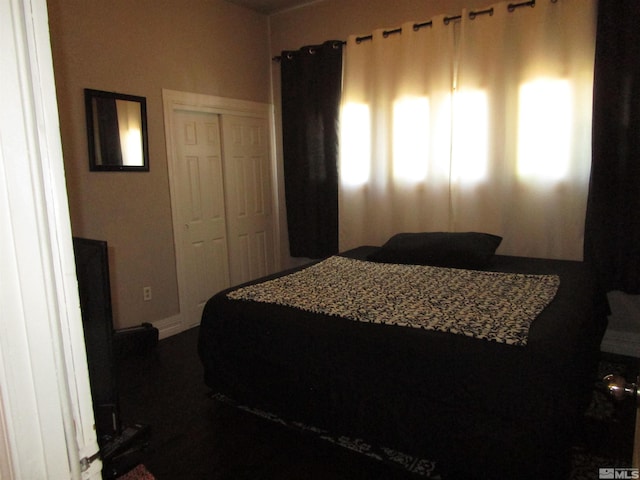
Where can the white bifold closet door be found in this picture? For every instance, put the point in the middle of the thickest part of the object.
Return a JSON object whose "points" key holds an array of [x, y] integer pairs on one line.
{"points": [[222, 202]]}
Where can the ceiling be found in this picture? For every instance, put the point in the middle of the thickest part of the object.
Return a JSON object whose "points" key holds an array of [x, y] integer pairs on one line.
{"points": [[272, 6]]}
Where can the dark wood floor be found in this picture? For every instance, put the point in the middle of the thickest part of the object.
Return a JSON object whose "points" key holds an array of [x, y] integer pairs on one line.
{"points": [[195, 437]]}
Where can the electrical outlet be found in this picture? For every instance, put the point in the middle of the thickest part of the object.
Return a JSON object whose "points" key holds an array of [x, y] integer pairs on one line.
{"points": [[146, 293]]}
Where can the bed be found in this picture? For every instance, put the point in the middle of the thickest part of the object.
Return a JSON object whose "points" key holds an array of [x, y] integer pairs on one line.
{"points": [[342, 344]]}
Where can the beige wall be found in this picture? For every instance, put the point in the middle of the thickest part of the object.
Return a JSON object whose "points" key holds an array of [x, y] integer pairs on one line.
{"points": [[336, 20], [140, 47]]}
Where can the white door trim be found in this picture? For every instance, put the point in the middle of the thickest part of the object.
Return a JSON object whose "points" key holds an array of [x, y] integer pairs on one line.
{"points": [[194, 102], [46, 424]]}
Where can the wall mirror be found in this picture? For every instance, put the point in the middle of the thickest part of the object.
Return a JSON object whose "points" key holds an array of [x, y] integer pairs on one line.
{"points": [[116, 131]]}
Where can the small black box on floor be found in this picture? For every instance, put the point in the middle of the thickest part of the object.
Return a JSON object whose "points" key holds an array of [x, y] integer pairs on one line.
{"points": [[140, 340], [124, 451]]}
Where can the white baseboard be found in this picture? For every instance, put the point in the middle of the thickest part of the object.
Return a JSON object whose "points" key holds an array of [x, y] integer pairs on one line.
{"points": [[621, 343], [169, 326]]}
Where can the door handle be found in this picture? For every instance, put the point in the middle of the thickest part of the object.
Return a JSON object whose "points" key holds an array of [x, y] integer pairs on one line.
{"points": [[619, 388]]}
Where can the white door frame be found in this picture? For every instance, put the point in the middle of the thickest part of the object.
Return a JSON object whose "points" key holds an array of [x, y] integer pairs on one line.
{"points": [[46, 414], [193, 102]]}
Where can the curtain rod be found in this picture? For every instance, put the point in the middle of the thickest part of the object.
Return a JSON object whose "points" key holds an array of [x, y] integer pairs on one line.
{"points": [[311, 49], [417, 26], [472, 15]]}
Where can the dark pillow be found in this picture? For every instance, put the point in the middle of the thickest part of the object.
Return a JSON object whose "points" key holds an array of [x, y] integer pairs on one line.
{"points": [[442, 249]]}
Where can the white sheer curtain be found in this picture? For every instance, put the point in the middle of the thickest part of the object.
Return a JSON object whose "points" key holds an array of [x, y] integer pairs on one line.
{"points": [[395, 139], [483, 124]]}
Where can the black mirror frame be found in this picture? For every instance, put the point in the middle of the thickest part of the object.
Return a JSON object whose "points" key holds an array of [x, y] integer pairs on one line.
{"points": [[89, 95]]}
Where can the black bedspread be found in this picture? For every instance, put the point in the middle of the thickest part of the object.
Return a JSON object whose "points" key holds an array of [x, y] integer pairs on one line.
{"points": [[481, 409]]}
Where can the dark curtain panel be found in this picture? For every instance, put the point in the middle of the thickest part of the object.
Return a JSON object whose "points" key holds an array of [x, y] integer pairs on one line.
{"points": [[612, 233], [107, 113], [311, 84]]}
